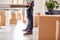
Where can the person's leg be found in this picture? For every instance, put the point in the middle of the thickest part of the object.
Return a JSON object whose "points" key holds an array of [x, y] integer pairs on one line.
{"points": [[30, 20], [30, 28]]}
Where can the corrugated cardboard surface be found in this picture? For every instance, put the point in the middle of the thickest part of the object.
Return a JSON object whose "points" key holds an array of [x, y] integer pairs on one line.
{"points": [[13, 21], [59, 32], [36, 19], [3, 20], [13, 16], [47, 27], [2, 12]]}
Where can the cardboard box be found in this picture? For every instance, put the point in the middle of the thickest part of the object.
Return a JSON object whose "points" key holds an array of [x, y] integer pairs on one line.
{"points": [[36, 19], [2, 12], [0, 23], [49, 27], [13, 21], [13, 16], [3, 24], [3, 20]]}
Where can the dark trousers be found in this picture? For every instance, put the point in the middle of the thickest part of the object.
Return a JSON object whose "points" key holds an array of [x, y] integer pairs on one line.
{"points": [[30, 17]]}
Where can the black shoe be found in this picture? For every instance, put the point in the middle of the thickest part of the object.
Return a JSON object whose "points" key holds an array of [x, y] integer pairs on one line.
{"points": [[28, 33]]}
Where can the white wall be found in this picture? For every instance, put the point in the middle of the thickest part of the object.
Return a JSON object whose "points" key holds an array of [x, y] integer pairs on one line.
{"points": [[39, 6], [5, 2], [59, 5]]}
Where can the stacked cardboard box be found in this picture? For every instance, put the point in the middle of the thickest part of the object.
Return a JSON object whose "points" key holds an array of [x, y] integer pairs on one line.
{"points": [[2, 12], [0, 24], [13, 19], [3, 18], [0, 19], [36, 19], [13, 16]]}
